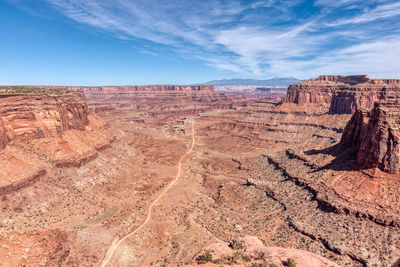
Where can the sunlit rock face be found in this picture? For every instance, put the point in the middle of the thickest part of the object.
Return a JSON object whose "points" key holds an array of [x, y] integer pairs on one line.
{"points": [[40, 115], [374, 136], [343, 94]]}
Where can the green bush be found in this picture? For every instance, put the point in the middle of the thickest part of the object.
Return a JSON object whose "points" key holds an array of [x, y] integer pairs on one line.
{"points": [[205, 257], [291, 262]]}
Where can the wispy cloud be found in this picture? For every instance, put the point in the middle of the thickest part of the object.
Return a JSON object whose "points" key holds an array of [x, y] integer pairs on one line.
{"points": [[256, 38], [384, 11]]}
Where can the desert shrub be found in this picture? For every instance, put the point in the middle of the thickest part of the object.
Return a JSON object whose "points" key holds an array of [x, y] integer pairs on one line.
{"points": [[259, 264], [235, 244], [205, 257], [291, 262], [237, 255], [246, 258]]}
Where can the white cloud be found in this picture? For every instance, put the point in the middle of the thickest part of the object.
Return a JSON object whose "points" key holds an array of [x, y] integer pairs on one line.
{"points": [[380, 12], [379, 59], [223, 35]]}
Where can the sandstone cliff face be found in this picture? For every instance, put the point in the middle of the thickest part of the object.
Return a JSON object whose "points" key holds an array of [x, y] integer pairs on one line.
{"points": [[344, 94], [374, 136], [40, 115], [159, 104], [143, 88]]}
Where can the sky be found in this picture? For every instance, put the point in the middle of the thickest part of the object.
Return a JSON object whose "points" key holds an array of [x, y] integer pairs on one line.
{"points": [[129, 42]]}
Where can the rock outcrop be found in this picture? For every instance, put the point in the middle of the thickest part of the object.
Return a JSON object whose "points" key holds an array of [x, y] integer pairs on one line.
{"points": [[250, 251], [38, 130], [373, 136], [40, 115], [343, 94]]}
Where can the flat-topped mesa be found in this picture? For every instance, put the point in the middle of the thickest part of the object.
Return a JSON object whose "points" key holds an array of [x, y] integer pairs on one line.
{"points": [[373, 137], [343, 94], [142, 88], [352, 79], [38, 115]]}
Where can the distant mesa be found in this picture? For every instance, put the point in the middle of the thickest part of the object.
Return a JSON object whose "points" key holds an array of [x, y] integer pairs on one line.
{"points": [[133, 89], [278, 82], [151, 88], [264, 89], [343, 94]]}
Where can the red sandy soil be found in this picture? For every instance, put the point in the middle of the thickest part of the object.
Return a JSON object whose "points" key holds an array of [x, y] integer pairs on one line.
{"points": [[134, 192]]}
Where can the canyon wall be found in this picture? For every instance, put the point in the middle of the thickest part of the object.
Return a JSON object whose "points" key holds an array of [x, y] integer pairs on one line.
{"points": [[140, 88], [373, 136], [40, 115], [157, 104], [343, 94], [152, 88]]}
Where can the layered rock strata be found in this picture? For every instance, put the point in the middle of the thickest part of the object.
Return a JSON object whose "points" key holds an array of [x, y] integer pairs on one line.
{"points": [[343, 94], [130, 88], [374, 136], [158, 104], [38, 130], [151, 88], [161, 103], [40, 115]]}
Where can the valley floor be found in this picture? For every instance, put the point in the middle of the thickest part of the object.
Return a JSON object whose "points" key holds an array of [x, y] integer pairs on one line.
{"points": [[161, 193]]}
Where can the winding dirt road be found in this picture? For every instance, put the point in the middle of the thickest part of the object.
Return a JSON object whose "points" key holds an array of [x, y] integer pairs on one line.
{"points": [[115, 243]]}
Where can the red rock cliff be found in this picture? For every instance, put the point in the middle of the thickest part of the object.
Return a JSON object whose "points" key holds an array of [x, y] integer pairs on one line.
{"points": [[374, 136], [344, 94], [40, 115], [144, 88]]}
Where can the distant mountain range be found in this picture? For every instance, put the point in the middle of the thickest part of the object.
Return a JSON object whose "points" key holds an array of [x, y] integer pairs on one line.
{"points": [[284, 82]]}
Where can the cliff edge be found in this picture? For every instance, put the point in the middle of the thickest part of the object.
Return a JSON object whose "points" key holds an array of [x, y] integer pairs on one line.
{"points": [[373, 136], [40, 115], [343, 94]]}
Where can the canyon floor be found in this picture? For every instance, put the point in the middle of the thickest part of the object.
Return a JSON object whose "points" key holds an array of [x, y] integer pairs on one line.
{"points": [[157, 194], [273, 172]]}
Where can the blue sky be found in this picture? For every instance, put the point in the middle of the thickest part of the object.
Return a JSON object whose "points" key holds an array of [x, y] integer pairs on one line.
{"points": [[116, 42]]}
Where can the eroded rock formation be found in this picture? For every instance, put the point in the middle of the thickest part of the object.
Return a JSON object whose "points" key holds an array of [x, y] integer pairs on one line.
{"points": [[149, 88], [38, 130], [374, 136], [158, 104], [343, 94], [250, 173], [40, 115]]}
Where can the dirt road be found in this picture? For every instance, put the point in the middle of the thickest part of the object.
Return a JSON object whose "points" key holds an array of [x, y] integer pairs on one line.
{"points": [[115, 244]]}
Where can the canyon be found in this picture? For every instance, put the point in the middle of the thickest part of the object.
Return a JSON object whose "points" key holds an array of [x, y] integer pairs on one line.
{"points": [[192, 176]]}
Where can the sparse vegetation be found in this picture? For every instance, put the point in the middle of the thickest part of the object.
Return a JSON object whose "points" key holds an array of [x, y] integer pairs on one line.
{"points": [[263, 264], [291, 262], [205, 257], [31, 90], [235, 244], [237, 255], [259, 264]]}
